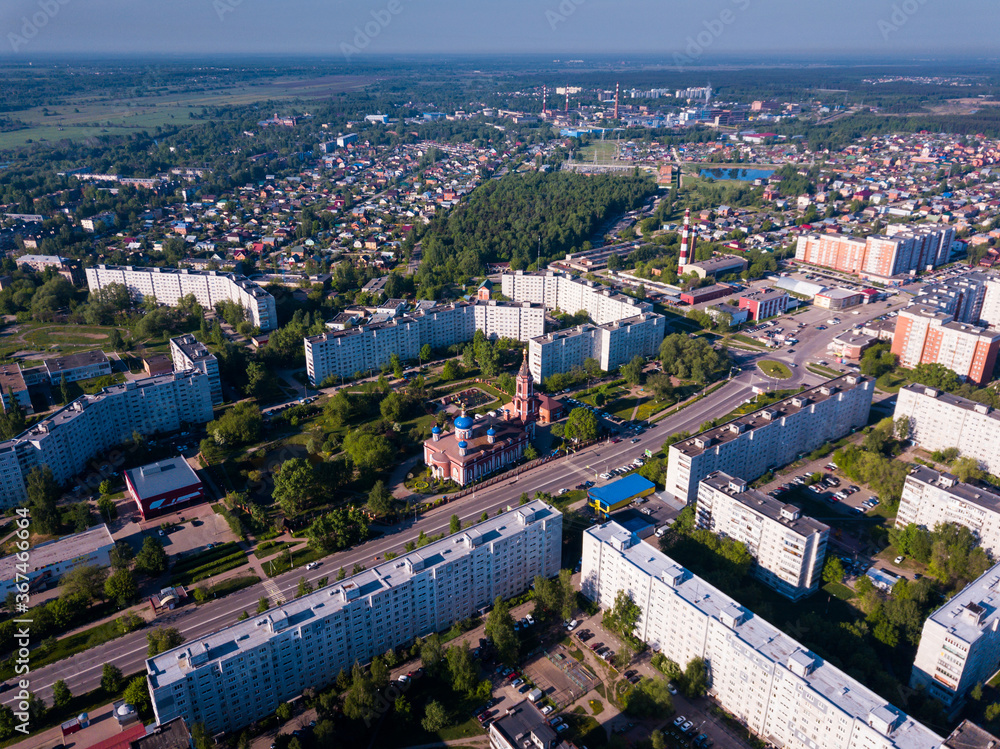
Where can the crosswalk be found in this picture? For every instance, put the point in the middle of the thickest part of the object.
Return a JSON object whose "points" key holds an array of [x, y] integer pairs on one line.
{"points": [[273, 592]]}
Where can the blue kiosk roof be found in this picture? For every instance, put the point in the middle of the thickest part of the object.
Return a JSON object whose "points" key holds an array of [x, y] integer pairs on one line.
{"points": [[622, 489]]}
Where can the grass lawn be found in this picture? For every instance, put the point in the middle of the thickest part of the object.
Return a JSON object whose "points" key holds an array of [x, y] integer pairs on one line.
{"points": [[624, 408], [839, 590], [232, 585], [596, 707], [268, 549], [67, 646], [890, 382], [299, 558], [774, 369], [747, 340]]}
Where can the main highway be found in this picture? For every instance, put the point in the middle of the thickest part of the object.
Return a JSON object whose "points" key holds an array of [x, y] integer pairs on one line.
{"points": [[82, 672]]}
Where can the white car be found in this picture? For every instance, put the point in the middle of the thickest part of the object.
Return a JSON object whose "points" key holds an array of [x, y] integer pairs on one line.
{"points": [[312, 565], [570, 626], [899, 559], [605, 476], [547, 709]]}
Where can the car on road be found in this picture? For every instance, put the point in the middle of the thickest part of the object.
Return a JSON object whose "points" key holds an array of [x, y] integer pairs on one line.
{"points": [[634, 679], [634, 440], [524, 688], [312, 565], [671, 688], [597, 646]]}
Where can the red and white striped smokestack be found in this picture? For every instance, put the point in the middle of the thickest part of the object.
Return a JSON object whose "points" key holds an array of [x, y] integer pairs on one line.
{"points": [[616, 100], [545, 96], [567, 98], [685, 237]]}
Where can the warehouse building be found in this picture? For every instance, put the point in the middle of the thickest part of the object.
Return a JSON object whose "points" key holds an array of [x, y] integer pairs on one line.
{"points": [[618, 494], [163, 487]]}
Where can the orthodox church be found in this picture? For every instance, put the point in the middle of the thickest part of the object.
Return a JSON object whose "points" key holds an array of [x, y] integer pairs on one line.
{"points": [[480, 447]]}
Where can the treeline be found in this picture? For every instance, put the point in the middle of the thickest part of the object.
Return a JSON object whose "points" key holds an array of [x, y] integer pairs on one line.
{"points": [[518, 217]]}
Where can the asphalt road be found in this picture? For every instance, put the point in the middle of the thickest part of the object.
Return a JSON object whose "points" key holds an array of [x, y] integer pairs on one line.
{"points": [[82, 672]]}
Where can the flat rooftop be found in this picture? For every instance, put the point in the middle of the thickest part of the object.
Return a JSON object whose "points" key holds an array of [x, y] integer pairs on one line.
{"points": [[768, 641], [741, 425], [839, 293], [165, 476], [719, 262], [11, 379], [759, 503], [973, 609], [970, 736], [191, 347], [969, 493], [167, 667], [60, 550], [953, 400], [75, 361]]}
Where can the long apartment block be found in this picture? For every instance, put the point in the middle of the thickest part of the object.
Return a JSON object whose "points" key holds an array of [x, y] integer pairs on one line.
{"points": [[571, 294], [370, 346], [788, 549], [939, 420], [960, 642], [784, 693], [902, 250], [611, 344], [770, 437], [931, 498], [187, 352], [241, 673], [168, 285], [91, 425], [925, 335]]}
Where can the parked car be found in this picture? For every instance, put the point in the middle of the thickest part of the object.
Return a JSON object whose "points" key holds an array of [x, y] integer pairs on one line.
{"points": [[899, 559], [679, 721]]}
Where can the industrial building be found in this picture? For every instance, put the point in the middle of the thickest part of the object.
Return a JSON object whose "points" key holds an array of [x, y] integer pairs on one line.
{"points": [[168, 285], [241, 673], [788, 549], [159, 488], [773, 436], [781, 691]]}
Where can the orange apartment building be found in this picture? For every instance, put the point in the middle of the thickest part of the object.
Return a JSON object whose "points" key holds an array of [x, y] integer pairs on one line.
{"points": [[925, 336], [902, 250]]}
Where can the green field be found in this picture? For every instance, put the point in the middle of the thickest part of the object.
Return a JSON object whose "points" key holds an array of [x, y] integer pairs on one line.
{"points": [[774, 369]]}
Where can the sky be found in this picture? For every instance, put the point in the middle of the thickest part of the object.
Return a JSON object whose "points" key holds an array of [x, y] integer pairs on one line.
{"points": [[699, 29]]}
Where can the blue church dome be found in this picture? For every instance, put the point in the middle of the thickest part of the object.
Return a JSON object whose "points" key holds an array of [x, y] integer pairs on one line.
{"points": [[491, 432], [463, 423], [436, 430], [463, 444]]}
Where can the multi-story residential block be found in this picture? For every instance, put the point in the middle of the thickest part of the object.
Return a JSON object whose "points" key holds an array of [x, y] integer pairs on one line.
{"points": [[926, 336], [788, 549], [557, 290], [49, 561], [343, 353], [83, 366], [13, 389], [764, 303], [241, 673], [931, 498], [66, 267], [961, 296], [779, 689], [168, 285], [960, 642], [750, 445], [940, 420], [187, 352], [989, 315], [92, 425], [903, 250], [612, 344]]}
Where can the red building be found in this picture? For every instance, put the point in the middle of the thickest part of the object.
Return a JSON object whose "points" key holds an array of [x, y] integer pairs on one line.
{"points": [[764, 303], [163, 487]]}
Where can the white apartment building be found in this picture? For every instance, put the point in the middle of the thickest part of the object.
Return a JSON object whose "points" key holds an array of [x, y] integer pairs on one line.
{"points": [[940, 420], [91, 425], [961, 296], [788, 549], [241, 673], [785, 694], [344, 353], [612, 344], [168, 285], [931, 498], [773, 436], [187, 352], [989, 314], [558, 290], [960, 642]]}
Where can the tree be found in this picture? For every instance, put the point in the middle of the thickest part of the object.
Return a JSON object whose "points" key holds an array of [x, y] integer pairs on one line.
{"points": [[380, 499], [567, 592], [115, 340], [263, 604], [61, 695], [403, 709], [295, 486], [283, 712], [431, 652], [137, 694], [833, 570], [240, 425], [370, 453], [392, 407], [12, 418], [151, 559], [632, 372], [435, 717], [7, 723], [379, 671], [967, 469], [359, 701], [84, 583], [304, 588], [500, 628], [455, 525], [162, 639], [451, 370], [43, 494], [111, 679], [120, 587], [425, 353], [108, 509], [548, 597], [200, 737], [695, 682], [623, 615], [648, 698], [462, 669], [530, 453], [581, 426]]}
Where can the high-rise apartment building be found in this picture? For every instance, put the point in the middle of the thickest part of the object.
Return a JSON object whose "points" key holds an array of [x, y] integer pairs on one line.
{"points": [[611, 344], [931, 498], [241, 673], [187, 352], [926, 336], [961, 296], [773, 436], [91, 425], [168, 285], [940, 420], [902, 250], [368, 347], [989, 315], [571, 294], [960, 642], [788, 549], [780, 690]]}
